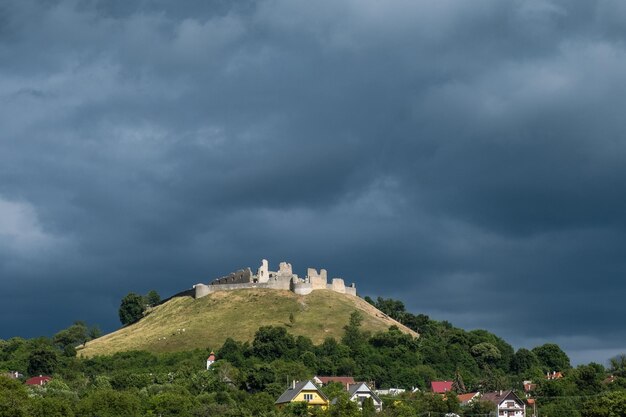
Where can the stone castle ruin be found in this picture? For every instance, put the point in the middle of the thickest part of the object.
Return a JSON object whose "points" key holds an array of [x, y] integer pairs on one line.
{"points": [[283, 279]]}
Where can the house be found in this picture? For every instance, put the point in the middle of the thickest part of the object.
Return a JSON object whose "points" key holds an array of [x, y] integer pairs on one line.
{"points": [[554, 375], [210, 360], [360, 391], [441, 387], [507, 403], [529, 387], [40, 380], [304, 391], [466, 399], [609, 379], [325, 380], [392, 392]]}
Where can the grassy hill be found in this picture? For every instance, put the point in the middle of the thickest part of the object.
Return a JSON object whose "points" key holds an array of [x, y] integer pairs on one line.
{"points": [[184, 323]]}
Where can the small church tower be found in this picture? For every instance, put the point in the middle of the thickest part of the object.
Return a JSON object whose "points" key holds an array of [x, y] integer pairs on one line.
{"points": [[210, 360]]}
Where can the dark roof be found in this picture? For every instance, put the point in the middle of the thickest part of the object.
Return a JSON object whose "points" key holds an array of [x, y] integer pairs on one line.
{"points": [[354, 388], [293, 391], [498, 396]]}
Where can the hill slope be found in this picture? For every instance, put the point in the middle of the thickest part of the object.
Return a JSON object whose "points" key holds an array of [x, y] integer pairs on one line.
{"points": [[184, 323]]}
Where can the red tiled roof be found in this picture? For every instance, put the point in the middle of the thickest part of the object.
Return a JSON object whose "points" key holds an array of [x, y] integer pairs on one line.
{"points": [[441, 386], [345, 380], [211, 357], [38, 380]]}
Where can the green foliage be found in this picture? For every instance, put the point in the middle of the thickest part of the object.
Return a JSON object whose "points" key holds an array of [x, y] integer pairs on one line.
{"points": [[42, 361], [523, 361], [551, 357], [612, 404], [485, 353], [617, 365], [13, 398], [131, 309], [108, 403], [272, 342], [152, 298], [51, 407], [247, 378]]}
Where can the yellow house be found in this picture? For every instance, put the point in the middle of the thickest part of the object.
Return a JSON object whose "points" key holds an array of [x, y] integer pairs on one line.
{"points": [[304, 391]]}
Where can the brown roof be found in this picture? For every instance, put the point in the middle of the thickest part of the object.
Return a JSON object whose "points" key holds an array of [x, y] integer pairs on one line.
{"points": [[498, 396], [345, 380], [465, 398]]}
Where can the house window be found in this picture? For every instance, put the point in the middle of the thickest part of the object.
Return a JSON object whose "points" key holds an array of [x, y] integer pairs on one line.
{"points": [[308, 397], [510, 404]]}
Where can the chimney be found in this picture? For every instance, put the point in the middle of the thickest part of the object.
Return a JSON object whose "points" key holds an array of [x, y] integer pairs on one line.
{"points": [[293, 384]]}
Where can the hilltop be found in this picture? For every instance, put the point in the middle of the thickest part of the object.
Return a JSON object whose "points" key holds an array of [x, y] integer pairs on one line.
{"points": [[184, 323]]}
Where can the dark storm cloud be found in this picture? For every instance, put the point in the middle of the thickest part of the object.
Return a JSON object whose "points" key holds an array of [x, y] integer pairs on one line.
{"points": [[465, 157]]}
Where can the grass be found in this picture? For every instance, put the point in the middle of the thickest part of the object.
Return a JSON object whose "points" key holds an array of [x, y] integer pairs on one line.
{"points": [[184, 323]]}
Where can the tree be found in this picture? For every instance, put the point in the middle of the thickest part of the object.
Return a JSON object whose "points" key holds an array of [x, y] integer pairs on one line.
{"points": [[108, 403], [76, 334], [152, 298], [131, 309], [94, 332], [353, 337], [485, 353], [272, 342], [551, 357], [617, 365], [612, 404], [523, 361], [42, 360], [369, 410], [13, 398]]}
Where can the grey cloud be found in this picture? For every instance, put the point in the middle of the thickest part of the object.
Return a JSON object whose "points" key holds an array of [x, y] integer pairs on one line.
{"points": [[447, 154]]}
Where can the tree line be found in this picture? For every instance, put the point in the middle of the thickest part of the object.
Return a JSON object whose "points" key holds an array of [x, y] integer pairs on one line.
{"points": [[249, 376]]}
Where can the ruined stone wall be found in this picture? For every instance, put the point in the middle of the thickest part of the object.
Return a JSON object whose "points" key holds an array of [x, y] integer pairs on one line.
{"points": [[351, 290], [318, 281], [263, 273], [337, 285], [302, 288], [284, 279], [202, 290], [239, 277], [279, 283]]}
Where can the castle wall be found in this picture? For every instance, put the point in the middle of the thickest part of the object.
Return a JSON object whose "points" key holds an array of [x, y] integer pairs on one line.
{"points": [[239, 277], [337, 285], [279, 283], [318, 281], [302, 288], [263, 273], [284, 279], [202, 290]]}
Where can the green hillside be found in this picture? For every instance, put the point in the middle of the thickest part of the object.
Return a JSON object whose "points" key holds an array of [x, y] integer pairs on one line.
{"points": [[184, 323]]}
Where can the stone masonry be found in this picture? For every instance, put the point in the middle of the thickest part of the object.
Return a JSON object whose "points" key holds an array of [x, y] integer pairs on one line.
{"points": [[283, 279]]}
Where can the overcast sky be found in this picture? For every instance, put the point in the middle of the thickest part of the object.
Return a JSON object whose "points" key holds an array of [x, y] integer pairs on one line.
{"points": [[465, 157]]}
